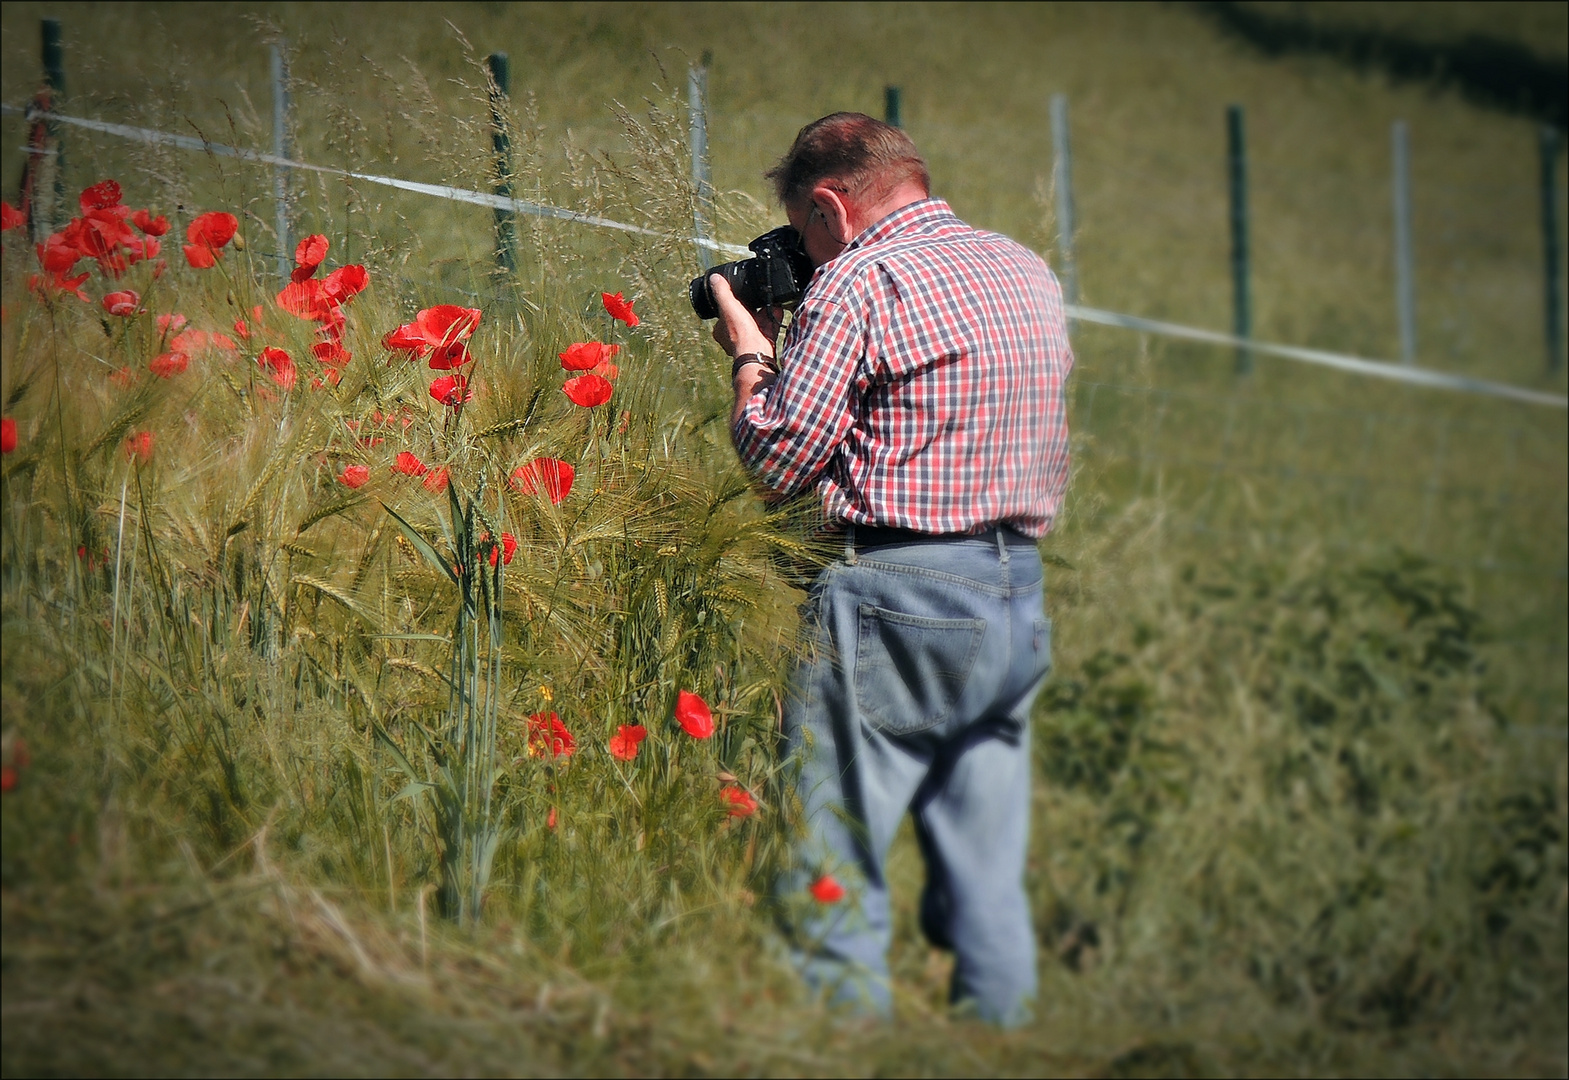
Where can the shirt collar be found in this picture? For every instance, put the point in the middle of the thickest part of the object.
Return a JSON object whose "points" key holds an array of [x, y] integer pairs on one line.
{"points": [[919, 216]]}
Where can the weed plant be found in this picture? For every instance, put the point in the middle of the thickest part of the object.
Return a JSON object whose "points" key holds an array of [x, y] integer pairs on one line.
{"points": [[285, 795]]}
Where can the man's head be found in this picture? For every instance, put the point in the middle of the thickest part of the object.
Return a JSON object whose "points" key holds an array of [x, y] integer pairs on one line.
{"points": [[843, 173]]}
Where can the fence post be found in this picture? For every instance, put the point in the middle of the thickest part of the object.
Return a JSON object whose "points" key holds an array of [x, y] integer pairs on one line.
{"points": [[53, 56], [1236, 147], [1552, 256], [891, 102], [702, 180], [1405, 285], [280, 148], [1062, 185], [500, 69]]}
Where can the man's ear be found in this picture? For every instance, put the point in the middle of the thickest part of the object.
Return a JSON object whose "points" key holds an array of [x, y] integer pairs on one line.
{"points": [[836, 212]]}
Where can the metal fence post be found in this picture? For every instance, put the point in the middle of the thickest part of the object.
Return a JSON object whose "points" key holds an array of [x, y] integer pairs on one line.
{"points": [[500, 87], [1062, 185], [280, 148], [891, 102], [1552, 257], [702, 180], [1405, 285], [1236, 156]]}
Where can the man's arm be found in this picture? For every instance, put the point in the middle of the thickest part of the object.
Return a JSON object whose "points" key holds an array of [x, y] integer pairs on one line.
{"points": [[738, 332]]}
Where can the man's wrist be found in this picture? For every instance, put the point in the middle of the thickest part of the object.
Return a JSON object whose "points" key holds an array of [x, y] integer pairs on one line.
{"points": [[743, 359]]}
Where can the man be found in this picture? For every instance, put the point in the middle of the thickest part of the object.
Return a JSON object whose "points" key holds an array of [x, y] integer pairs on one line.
{"points": [[920, 392]]}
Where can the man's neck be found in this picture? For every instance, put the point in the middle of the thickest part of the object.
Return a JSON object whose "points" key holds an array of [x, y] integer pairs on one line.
{"points": [[898, 199]]}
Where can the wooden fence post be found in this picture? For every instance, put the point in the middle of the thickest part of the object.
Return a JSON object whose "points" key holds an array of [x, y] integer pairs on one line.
{"points": [[1062, 184], [1405, 286], [702, 179], [501, 143], [1237, 161]]}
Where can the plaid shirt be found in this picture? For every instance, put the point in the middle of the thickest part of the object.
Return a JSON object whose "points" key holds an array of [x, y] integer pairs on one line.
{"points": [[921, 383]]}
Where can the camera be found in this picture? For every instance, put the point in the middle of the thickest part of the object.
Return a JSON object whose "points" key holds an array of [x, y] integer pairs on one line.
{"points": [[776, 277]]}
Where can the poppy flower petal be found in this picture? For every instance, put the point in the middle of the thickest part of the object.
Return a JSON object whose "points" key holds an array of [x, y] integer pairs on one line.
{"points": [[620, 308], [694, 715], [308, 255], [354, 476], [7, 435], [739, 801], [588, 390], [551, 475], [825, 890]]}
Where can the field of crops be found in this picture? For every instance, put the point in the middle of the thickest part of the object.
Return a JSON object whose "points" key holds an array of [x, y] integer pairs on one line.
{"points": [[393, 652]]}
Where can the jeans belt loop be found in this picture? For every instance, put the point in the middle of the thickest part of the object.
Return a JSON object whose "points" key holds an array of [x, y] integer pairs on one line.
{"points": [[849, 543], [1002, 544]]}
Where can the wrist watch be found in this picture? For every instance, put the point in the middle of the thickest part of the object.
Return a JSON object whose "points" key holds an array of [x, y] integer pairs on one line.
{"points": [[751, 358]]}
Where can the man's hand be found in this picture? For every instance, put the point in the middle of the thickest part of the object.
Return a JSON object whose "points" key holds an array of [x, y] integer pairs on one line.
{"points": [[739, 330]]}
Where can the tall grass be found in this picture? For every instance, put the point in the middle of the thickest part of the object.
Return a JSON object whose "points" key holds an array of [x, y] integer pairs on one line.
{"points": [[1289, 816]]}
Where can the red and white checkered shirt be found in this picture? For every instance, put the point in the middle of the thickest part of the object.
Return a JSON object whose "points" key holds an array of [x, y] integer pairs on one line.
{"points": [[921, 383]]}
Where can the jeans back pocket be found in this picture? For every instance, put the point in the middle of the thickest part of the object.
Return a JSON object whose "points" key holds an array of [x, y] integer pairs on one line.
{"points": [[910, 670]]}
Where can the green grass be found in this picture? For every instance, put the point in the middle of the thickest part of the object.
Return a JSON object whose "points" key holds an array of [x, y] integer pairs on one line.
{"points": [[1303, 799]]}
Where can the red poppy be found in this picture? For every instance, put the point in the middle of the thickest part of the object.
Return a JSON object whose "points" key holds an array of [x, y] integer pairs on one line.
{"points": [[123, 376], [588, 390], [139, 447], [167, 323], [550, 818], [224, 342], [409, 464], [11, 217], [152, 226], [308, 255], [61, 283], [451, 355], [7, 435], [242, 328], [189, 341], [586, 355], [170, 364], [620, 308], [741, 803], [331, 353], [551, 475], [547, 734], [303, 299], [623, 744], [694, 715], [451, 390], [122, 303], [442, 325], [7, 780], [825, 890], [345, 283], [436, 480], [101, 196], [279, 365], [607, 370], [508, 548], [354, 476], [207, 236]]}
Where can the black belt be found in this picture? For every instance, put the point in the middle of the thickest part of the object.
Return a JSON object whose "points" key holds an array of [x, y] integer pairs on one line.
{"points": [[876, 536]]}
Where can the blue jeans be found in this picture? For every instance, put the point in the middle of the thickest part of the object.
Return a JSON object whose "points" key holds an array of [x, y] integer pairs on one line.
{"points": [[915, 696]]}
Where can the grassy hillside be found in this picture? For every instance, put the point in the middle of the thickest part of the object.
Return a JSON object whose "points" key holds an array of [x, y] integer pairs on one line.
{"points": [[1303, 792]]}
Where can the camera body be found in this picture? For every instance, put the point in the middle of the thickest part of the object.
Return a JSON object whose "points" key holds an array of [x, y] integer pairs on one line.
{"points": [[776, 277]]}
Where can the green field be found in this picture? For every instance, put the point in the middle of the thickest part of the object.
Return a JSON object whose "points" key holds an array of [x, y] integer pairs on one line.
{"points": [[1303, 786]]}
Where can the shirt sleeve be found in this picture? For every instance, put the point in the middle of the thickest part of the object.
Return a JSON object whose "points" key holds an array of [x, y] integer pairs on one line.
{"points": [[788, 433]]}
